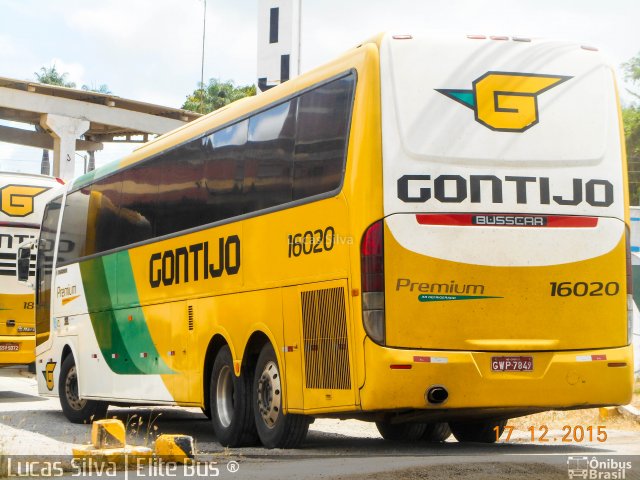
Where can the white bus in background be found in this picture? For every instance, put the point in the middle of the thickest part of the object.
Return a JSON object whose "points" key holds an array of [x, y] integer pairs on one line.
{"points": [[22, 201], [635, 261]]}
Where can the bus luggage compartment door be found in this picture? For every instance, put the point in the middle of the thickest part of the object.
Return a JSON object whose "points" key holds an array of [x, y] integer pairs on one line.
{"points": [[325, 333]]}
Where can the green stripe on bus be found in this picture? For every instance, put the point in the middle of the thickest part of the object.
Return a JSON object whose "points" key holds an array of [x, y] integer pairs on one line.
{"points": [[447, 298], [121, 341], [89, 177]]}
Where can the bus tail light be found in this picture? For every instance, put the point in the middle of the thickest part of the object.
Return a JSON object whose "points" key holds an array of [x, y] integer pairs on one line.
{"points": [[372, 266], [629, 286]]}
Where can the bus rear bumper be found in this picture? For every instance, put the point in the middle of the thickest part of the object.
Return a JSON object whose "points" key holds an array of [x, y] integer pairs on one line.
{"points": [[23, 355], [399, 379]]}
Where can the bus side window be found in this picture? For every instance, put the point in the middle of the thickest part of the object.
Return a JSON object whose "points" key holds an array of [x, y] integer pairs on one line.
{"points": [[321, 138], [224, 173], [138, 203], [44, 266], [104, 214], [181, 194], [73, 232], [269, 157]]}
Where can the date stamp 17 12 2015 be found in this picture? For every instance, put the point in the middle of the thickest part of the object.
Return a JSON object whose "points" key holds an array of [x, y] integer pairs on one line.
{"points": [[568, 434]]}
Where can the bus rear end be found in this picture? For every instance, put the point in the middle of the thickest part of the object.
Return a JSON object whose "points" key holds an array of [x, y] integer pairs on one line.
{"points": [[497, 283], [22, 201]]}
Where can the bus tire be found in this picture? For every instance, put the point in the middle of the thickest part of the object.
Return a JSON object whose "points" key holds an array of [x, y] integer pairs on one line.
{"points": [[478, 431], [401, 432], [275, 429], [230, 403], [76, 409], [436, 432]]}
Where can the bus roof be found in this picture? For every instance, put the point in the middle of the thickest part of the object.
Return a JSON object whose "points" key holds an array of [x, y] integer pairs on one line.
{"points": [[35, 176]]}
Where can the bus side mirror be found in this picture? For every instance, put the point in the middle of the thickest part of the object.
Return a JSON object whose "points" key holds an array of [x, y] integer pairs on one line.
{"points": [[24, 260]]}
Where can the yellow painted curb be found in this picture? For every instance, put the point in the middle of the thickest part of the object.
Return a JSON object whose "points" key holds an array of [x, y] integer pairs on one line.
{"points": [[120, 456], [109, 433], [174, 448]]}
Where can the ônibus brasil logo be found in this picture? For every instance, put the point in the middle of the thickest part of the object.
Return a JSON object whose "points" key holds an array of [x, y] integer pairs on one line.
{"points": [[505, 101]]}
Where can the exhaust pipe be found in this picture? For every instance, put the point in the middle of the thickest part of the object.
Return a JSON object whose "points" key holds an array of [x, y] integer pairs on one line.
{"points": [[437, 394]]}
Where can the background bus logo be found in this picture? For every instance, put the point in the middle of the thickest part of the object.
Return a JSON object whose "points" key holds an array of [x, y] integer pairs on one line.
{"points": [[48, 374], [17, 200], [505, 101]]}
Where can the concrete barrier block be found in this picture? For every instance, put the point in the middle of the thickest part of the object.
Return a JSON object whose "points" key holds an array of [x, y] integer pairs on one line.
{"points": [[109, 433], [174, 448]]}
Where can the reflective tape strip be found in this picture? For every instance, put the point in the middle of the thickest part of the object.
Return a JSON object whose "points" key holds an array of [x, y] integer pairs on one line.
{"points": [[590, 358], [421, 359]]}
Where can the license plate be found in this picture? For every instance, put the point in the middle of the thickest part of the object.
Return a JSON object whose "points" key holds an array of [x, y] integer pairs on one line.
{"points": [[512, 364], [9, 347]]}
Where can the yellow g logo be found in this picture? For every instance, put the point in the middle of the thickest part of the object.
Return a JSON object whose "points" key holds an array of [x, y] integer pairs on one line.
{"points": [[17, 200], [48, 374], [505, 101]]}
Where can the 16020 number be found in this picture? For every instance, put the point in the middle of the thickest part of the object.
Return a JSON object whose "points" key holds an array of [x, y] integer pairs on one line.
{"points": [[584, 289], [309, 242]]}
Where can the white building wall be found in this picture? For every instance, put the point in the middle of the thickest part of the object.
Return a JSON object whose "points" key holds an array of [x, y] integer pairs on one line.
{"points": [[276, 40]]}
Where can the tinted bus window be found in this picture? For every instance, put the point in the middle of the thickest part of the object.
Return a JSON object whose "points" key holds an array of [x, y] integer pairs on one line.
{"points": [[44, 265], [180, 192], [138, 203], [269, 157], [321, 138], [224, 173], [103, 215], [73, 231]]}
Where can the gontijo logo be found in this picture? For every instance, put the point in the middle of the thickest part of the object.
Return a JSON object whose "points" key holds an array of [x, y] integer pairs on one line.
{"points": [[505, 101], [17, 200]]}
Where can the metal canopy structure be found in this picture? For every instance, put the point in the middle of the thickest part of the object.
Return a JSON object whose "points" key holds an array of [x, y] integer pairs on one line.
{"points": [[70, 120]]}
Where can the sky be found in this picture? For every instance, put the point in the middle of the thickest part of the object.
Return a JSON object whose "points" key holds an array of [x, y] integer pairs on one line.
{"points": [[150, 50]]}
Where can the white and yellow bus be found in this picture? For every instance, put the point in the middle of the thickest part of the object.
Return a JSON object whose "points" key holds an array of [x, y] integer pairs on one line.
{"points": [[22, 201], [428, 232]]}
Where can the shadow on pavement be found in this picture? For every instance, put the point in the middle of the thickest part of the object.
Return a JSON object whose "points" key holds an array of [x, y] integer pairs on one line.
{"points": [[17, 397], [144, 424]]}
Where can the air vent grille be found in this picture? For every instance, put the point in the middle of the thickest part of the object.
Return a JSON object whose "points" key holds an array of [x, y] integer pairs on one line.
{"points": [[326, 346], [190, 316]]}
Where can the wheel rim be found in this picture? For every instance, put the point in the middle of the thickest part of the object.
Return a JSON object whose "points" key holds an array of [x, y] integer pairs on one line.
{"points": [[269, 394], [71, 390], [224, 396]]}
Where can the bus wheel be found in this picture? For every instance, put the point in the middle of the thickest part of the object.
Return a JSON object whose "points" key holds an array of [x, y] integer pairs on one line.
{"points": [[76, 409], [436, 432], [230, 399], [275, 429], [479, 431], [401, 432]]}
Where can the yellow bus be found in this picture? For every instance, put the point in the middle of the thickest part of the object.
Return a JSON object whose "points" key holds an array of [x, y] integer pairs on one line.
{"points": [[22, 201], [429, 232]]}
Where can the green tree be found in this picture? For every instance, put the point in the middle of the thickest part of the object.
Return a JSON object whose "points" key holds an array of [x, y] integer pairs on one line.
{"points": [[216, 94], [632, 72], [51, 76], [101, 89], [631, 120]]}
